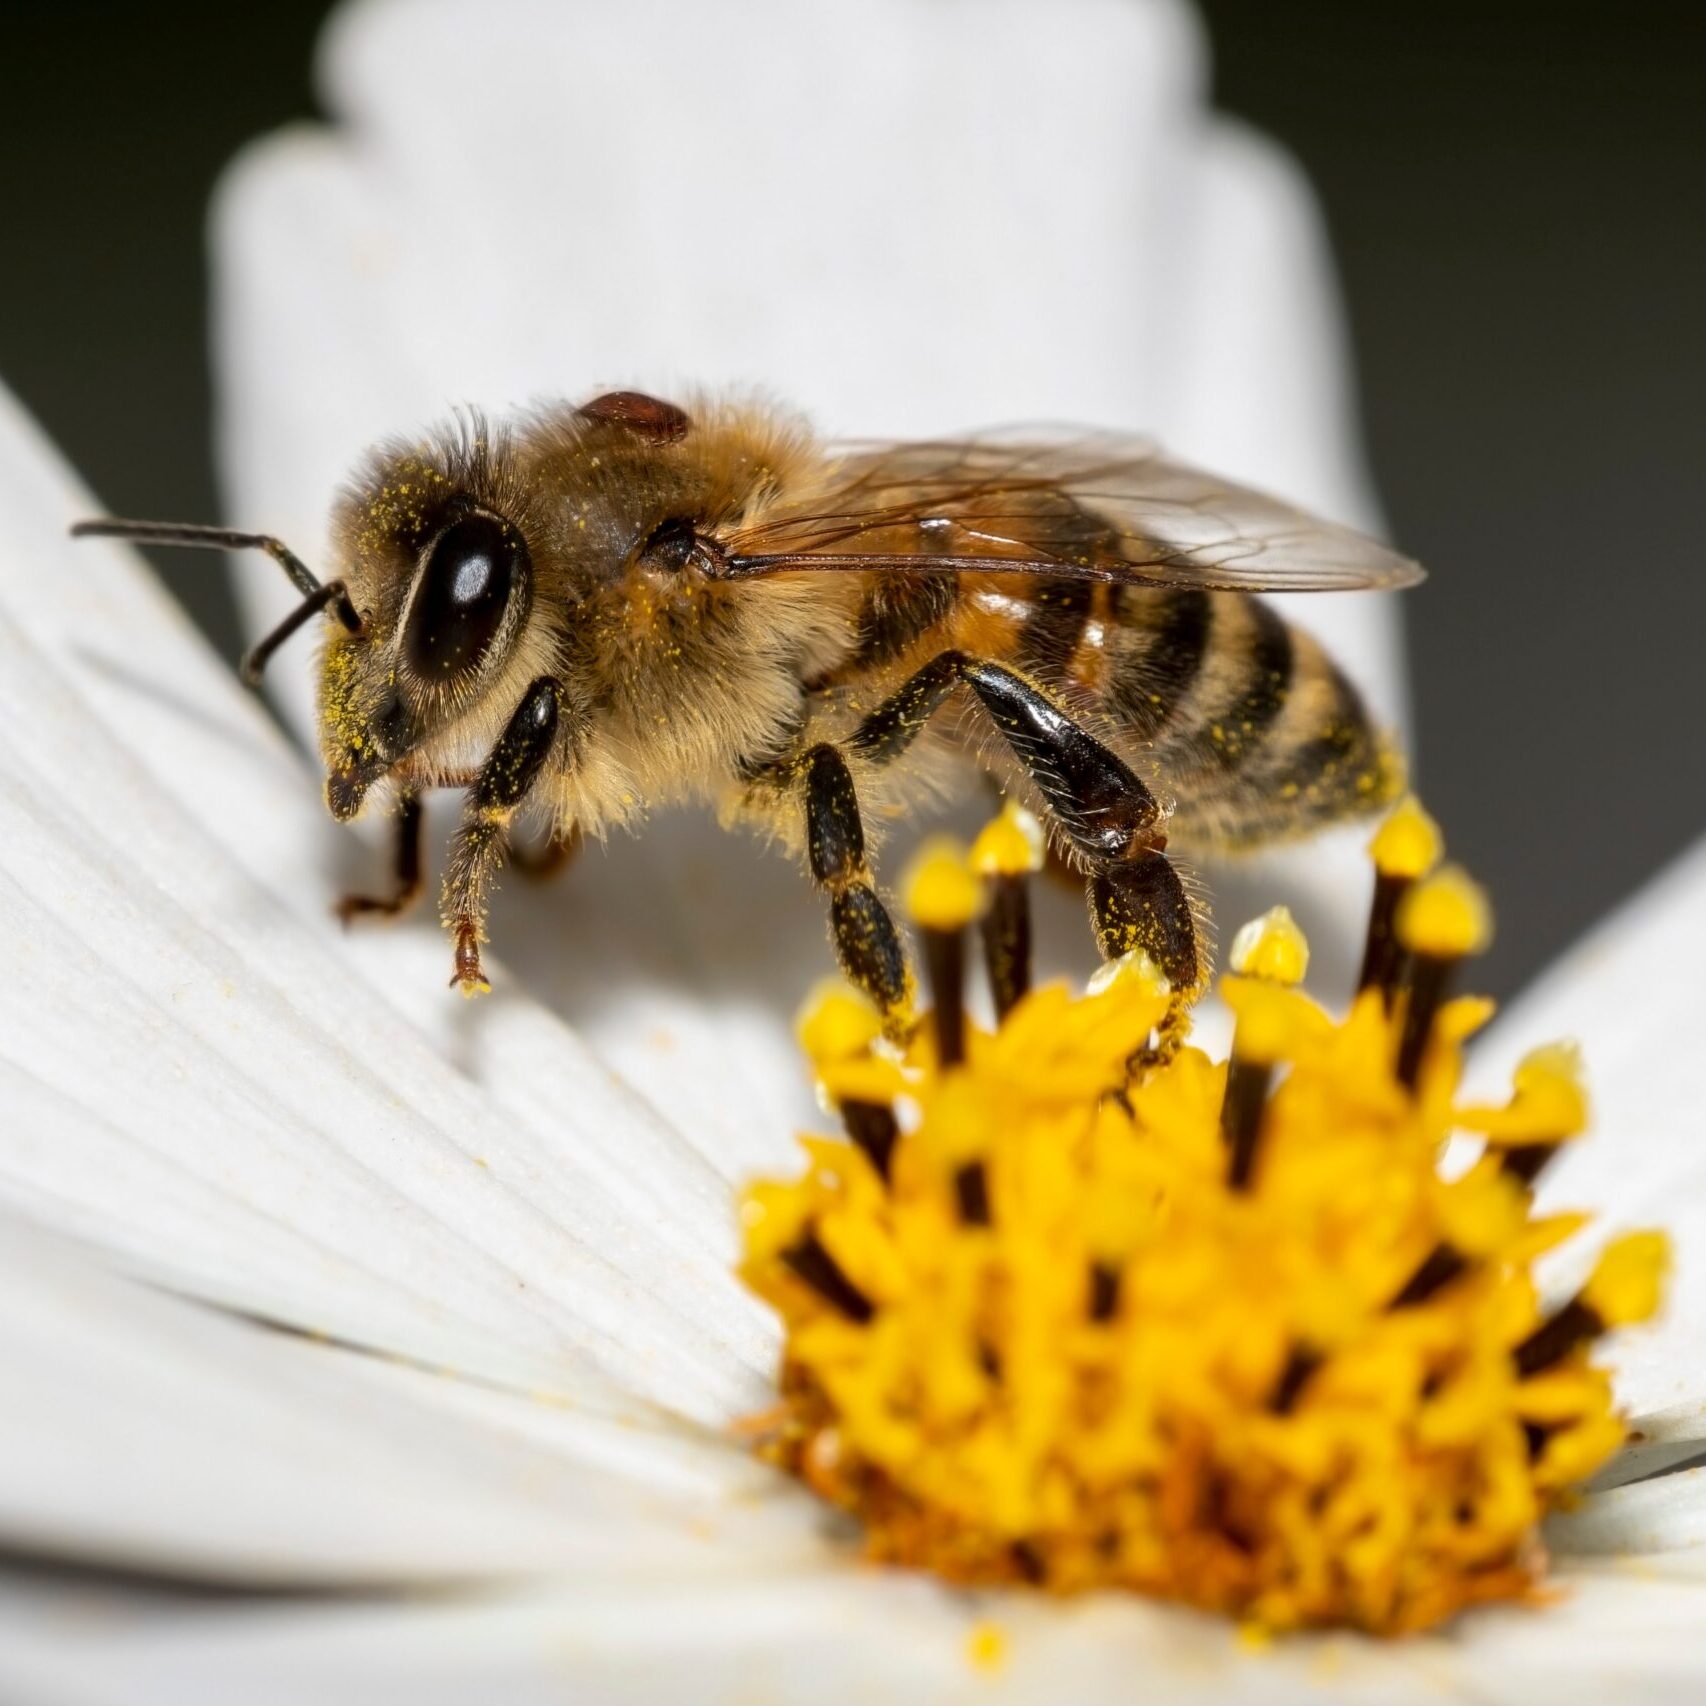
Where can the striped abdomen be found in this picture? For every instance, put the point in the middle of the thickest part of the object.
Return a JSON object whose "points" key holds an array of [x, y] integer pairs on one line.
{"points": [[1242, 718], [1257, 732]]}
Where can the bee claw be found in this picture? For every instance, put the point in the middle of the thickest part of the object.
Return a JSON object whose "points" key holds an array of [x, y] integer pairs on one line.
{"points": [[469, 976]]}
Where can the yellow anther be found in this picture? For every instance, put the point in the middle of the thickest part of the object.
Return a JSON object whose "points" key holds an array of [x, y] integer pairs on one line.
{"points": [[1271, 948], [1094, 1315], [1272, 1020], [942, 892], [1136, 969], [1628, 1279], [1011, 844], [1445, 916], [836, 1024], [1548, 1105], [1408, 844]]}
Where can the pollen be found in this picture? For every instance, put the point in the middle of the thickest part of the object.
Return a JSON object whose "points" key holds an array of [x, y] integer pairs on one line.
{"points": [[1065, 1312]]}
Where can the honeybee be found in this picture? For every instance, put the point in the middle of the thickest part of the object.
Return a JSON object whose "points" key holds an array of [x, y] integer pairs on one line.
{"points": [[600, 609]]}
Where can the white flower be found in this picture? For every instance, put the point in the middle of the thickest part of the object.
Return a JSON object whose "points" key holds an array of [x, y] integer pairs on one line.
{"points": [[486, 1453]]}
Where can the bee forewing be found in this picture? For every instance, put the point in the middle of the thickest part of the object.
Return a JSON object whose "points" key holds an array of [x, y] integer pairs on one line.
{"points": [[1089, 504]]}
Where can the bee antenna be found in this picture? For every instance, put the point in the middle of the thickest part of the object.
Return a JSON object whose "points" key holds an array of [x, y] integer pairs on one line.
{"points": [[316, 595]]}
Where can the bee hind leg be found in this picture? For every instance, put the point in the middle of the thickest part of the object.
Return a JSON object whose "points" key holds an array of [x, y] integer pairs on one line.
{"points": [[405, 870], [866, 941], [1113, 823]]}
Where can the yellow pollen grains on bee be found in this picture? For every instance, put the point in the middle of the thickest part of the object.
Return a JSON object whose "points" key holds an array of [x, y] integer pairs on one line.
{"points": [[1068, 1312]]}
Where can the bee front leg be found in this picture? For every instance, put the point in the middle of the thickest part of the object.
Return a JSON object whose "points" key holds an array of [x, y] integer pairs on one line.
{"points": [[866, 941], [405, 869], [478, 849]]}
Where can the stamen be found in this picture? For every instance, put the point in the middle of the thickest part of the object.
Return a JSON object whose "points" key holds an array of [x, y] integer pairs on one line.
{"points": [[820, 1270], [943, 897], [1247, 1084], [1548, 1107], [1104, 1291], [1008, 850], [1299, 1369], [874, 1128], [1440, 1267], [1184, 1359], [1405, 848], [1440, 923], [971, 1193], [1550, 1343], [1270, 955], [837, 1029], [1623, 1289]]}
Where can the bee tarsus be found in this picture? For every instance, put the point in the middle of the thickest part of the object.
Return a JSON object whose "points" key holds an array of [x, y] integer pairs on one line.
{"points": [[405, 869]]}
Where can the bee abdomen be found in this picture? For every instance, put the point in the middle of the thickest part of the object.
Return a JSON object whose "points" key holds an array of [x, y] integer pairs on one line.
{"points": [[1334, 762], [1050, 635], [1247, 721], [898, 611], [1155, 648]]}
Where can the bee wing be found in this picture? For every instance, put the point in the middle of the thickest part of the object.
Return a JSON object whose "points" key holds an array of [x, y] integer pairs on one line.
{"points": [[1096, 506]]}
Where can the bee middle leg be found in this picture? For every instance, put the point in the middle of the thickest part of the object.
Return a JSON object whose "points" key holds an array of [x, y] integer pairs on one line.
{"points": [[866, 941], [405, 869], [550, 859], [1112, 821]]}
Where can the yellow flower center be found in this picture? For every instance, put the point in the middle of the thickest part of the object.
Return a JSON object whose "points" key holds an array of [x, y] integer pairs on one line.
{"points": [[1066, 1310]]}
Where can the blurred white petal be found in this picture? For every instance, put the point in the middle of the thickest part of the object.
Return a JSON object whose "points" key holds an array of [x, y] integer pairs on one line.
{"points": [[161, 1436], [839, 1635], [1630, 993]]}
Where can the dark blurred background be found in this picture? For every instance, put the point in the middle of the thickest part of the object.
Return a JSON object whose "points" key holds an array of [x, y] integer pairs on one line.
{"points": [[1517, 196]]}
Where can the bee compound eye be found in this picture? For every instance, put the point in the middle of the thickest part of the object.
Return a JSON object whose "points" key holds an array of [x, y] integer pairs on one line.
{"points": [[469, 575]]}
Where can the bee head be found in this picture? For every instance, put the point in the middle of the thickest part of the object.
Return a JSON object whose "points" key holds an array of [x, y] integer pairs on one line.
{"points": [[434, 543]]}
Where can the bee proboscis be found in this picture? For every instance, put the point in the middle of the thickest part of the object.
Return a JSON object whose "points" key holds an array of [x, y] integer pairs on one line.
{"points": [[600, 609]]}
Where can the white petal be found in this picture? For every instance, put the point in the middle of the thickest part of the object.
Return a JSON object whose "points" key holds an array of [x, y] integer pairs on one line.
{"points": [[1626, 1632], [1652, 1523], [195, 1076], [1630, 993], [155, 1435], [843, 1636]]}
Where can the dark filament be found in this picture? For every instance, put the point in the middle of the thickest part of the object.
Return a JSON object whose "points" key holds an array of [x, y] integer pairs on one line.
{"points": [[1241, 1109], [945, 965], [1553, 1340], [820, 1270], [1438, 1270], [971, 1193], [1382, 957], [873, 1128], [1104, 1291], [1430, 982], [1006, 930], [1299, 1369]]}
